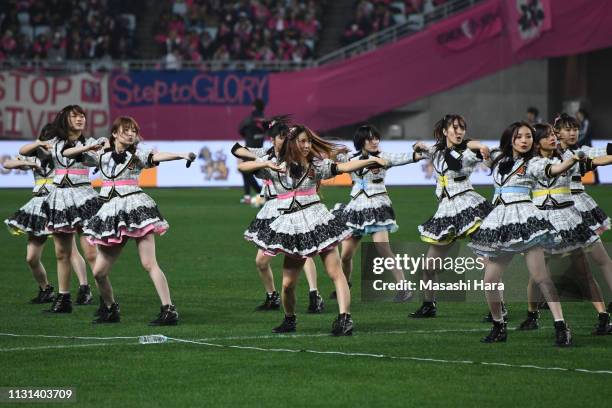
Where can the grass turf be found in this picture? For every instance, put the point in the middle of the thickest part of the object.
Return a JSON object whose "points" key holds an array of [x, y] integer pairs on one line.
{"points": [[214, 284]]}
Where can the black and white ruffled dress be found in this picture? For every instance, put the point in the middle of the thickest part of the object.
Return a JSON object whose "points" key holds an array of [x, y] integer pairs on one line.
{"points": [[304, 226], [370, 208], [127, 211], [515, 224], [269, 211], [74, 200], [30, 218], [554, 198], [592, 214], [461, 210]]}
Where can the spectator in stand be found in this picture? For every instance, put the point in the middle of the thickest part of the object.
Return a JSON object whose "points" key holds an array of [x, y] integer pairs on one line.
{"points": [[533, 115], [585, 135]]}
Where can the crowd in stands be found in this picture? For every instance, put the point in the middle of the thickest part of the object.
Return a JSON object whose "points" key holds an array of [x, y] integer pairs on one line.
{"points": [[372, 16], [59, 30], [223, 30]]}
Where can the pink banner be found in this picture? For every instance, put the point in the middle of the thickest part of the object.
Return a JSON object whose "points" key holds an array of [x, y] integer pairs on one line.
{"points": [[466, 47]]}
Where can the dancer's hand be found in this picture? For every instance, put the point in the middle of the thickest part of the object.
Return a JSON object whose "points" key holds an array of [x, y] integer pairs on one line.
{"points": [[485, 152], [44, 145], [420, 147]]}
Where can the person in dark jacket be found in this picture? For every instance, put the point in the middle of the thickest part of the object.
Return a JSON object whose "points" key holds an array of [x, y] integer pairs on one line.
{"points": [[252, 131]]}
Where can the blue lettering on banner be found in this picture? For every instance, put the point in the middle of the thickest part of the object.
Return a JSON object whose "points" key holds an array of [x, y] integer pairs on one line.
{"points": [[147, 88]]}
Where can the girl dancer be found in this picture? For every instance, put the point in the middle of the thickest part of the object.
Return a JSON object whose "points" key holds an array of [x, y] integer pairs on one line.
{"points": [[277, 129], [516, 225], [553, 197], [460, 209], [567, 129], [370, 211], [70, 203], [305, 227], [30, 220], [127, 212]]}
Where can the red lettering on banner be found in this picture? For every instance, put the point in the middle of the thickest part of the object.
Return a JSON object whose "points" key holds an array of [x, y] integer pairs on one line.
{"points": [[18, 78], [33, 90], [57, 89], [35, 127], [12, 130]]}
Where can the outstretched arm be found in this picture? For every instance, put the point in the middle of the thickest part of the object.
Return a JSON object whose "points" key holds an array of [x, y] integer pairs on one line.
{"points": [[599, 161], [19, 164], [253, 166], [164, 156], [476, 146], [556, 169], [78, 150], [355, 165]]}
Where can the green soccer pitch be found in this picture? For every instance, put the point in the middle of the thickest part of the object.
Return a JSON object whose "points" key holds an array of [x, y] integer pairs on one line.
{"points": [[235, 360]]}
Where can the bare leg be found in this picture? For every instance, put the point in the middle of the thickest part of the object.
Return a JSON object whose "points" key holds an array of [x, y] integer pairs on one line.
{"points": [[63, 253], [603, 261], [381, 241], [291, 272], [493, 275], [262, 261], [78, 263], [331, 260], [34, 252], [146, 251], [581, 266], [310, 270], [429, 272], [104, 262], [533, 296], [89, 251], [349, 247], [539, 272]]}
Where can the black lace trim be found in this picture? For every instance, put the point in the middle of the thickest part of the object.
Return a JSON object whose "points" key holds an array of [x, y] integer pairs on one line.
{"points": [[28, 222], [458, 222], [596, 216], [368, 216], [135, 217], [68, 215], [259, 224], [579, 235], [333, 230], [513, 232]]}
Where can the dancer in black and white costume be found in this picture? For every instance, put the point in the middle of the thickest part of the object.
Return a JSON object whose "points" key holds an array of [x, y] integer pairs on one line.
{"points": [[305, 227], [370, 211], [460, 209], [71, 202], [553, 197], [31, 221], [517, 226], [127, 212], [277, 129]]}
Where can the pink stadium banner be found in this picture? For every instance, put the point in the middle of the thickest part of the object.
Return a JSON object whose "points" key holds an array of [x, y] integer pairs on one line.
{"points": [[489, 37]]}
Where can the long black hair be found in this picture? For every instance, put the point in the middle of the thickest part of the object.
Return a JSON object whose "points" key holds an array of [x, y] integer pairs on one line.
{"points": [[363, 133], [505, 159], [277, 125], [565, 121], [62, 120], [443, 124], [542, 131]]}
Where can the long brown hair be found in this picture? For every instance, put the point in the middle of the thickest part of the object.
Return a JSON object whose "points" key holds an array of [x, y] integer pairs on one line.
{"points": [[125, 122], [62, 120], [320, 149]]}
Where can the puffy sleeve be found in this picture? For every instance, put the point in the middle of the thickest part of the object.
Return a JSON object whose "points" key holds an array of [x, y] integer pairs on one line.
{"points": [[90, 158], [342, 158], [398, 159], [144, 155], [325, 169], [539, 168], [470, 158]]}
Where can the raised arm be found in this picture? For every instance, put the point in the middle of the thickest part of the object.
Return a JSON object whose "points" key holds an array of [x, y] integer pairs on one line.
{"points": [[476, 146], [355, 165], [30, 148]]}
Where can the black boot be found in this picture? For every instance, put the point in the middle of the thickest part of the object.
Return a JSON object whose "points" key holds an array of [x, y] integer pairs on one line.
{"points": [[315, 302], [531, 322], [498, 334], [427, 309], [100, 309], [272, 302], [61, 304], [168, 316], [288, 325], [109, 315], [603, 326], [343, 325], [45, 295], [563, 334], [334, 295], [84, 296]]}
